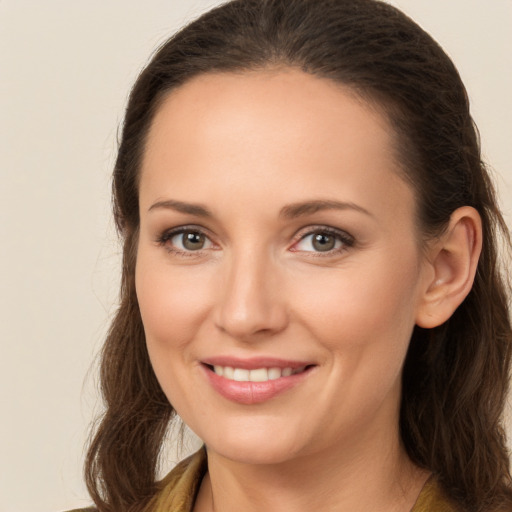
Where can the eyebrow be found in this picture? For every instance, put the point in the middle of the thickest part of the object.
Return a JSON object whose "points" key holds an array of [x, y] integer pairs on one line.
{"points": [[179, 206], [309, 207], [289, 211]]}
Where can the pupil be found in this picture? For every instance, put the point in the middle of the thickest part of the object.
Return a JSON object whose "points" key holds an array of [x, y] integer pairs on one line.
{"points": [[323, 242], [193, 241]]}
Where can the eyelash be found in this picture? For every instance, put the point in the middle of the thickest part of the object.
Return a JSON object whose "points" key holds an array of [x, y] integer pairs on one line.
{"points": [[168, 235], [347, 240]]}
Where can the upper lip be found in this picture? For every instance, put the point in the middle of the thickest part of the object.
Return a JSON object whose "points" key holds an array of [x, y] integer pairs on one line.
{"points": [[253, 363]]}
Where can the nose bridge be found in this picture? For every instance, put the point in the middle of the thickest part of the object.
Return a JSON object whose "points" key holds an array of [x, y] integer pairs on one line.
{"points": [[250, 302]]}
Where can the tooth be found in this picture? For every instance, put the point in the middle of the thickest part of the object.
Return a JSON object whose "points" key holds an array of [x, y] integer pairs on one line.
{"points": [[274, 373], [299, 370], [258, 375], [228, 372], [241, 375], [286, 372], [218, 370]]}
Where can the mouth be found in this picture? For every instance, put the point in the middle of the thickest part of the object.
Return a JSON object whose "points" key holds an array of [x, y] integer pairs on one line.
{"points": [[254, 381], [256, 374]]}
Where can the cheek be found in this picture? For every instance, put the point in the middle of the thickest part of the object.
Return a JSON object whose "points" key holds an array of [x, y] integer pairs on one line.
{"points": [[368, 304], [364, 319], [172, 302]]}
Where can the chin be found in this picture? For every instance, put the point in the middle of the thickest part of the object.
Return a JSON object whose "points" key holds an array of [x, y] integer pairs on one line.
{"points": [[254, 447], [253, 455]]}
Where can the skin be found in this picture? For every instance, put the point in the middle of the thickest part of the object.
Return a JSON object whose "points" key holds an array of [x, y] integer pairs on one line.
{"points": [[245, 147]]}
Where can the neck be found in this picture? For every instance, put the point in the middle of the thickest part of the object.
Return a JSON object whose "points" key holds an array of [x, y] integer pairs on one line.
{"points": [[360, 477]]}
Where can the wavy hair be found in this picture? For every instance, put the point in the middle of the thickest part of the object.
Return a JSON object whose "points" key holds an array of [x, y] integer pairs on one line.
{"points": [[455, 376]]}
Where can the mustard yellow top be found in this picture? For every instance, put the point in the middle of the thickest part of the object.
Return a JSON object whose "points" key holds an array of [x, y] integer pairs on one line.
{"points": [[179, 488]]}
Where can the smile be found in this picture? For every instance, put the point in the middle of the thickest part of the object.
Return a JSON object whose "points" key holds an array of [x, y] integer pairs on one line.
{"points": [[256, 375], [254, 381]]}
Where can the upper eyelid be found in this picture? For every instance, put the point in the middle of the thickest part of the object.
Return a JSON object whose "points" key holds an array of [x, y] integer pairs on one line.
{"points": [[299, 234], [347, 241], [166, 235], [187, 227], [309, 230]]}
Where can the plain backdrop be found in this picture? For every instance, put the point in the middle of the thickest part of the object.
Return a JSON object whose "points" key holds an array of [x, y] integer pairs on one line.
{"points": [[65, 71]]}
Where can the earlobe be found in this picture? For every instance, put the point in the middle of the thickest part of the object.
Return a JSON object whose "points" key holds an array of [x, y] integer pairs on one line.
{"points": [[453, 260]]}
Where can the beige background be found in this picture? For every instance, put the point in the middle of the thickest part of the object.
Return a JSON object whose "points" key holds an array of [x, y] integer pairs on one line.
{"points": [[65, 70]]}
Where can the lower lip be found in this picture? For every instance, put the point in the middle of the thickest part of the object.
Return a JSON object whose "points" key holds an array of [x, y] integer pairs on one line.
{"points": [[249, 393]]}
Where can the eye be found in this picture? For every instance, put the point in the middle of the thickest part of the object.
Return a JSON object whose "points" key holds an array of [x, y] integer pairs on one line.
{"points": [[184, 240], [324, 241]]}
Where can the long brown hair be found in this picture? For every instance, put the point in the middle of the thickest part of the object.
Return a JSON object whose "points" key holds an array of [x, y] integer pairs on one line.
{"points": [[455, 376]]}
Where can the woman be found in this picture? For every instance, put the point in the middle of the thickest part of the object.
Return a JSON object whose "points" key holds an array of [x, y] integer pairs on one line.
{"points": [[310, 275]]}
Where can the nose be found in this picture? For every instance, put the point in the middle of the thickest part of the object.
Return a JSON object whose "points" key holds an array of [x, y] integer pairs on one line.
{"points": [[251, 304]]}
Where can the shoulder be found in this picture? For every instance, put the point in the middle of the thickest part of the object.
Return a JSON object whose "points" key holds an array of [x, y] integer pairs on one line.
{"points": [[178, 490], [432, 498]]}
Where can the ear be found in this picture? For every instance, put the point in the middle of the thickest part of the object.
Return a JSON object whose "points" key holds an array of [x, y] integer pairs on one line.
{"points": [[451, 266]]}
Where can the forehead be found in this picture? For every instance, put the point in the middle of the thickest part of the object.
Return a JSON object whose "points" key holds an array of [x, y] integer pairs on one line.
{"points": [[287, 101], [280, 132]]}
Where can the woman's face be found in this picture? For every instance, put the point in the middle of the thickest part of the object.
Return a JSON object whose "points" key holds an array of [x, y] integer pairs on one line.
{"points": [[279, 272]]}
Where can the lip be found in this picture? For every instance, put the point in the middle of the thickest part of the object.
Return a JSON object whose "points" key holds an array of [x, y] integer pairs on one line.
{"points": [[249, 393], [251, 363]]}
